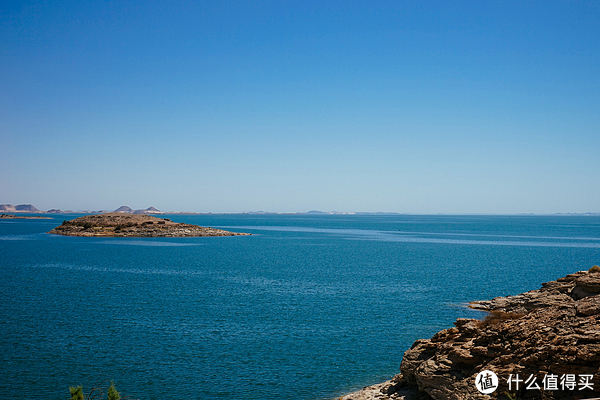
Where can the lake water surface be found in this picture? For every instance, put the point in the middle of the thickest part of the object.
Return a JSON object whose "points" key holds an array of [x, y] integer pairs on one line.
{"points": [[308, 307]]}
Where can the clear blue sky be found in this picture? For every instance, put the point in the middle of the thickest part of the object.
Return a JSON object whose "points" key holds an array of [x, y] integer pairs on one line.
{"points": [[226, 106]]}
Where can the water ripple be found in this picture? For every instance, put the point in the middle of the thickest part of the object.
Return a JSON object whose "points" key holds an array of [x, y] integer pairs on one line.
{"points": [[416, 237]]}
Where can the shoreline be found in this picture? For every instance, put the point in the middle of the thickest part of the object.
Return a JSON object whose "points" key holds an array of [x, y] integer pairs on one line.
{"points": [[12, 216], [551, 331]]}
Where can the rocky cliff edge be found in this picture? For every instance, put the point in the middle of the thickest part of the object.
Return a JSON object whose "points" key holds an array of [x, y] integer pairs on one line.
{"points": [[549, 337]]}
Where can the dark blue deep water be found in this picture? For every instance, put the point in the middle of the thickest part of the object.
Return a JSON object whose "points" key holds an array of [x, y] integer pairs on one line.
{"points": [[309, 307]]}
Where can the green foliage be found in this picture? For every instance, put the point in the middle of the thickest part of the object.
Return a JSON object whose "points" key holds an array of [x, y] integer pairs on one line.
{"points": [[112, 392], [76, 393], [97, 392], [595, 268]]}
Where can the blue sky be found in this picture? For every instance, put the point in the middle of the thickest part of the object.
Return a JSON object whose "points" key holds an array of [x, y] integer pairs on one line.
{"points": [[419, 107]]}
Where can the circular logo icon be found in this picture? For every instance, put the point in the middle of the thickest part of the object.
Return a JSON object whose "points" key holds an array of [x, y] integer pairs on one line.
{"points": [[486, 382]]}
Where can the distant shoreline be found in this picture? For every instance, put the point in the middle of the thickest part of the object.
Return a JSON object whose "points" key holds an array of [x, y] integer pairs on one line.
{"points": [[30, 209], [11, 216]]}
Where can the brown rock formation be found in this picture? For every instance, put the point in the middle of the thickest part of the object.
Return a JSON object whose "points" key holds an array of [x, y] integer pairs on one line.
{"points": [[548, 333], [133, 225]]}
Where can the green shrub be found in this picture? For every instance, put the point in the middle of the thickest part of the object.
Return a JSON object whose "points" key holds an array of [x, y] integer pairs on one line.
{"points": [[96, 392], [595, 268], [76, 393], [112, 392]]}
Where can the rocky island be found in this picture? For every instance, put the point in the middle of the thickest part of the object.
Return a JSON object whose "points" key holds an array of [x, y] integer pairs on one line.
{"points": [[545, 342], [11, 216], [118, 224]]}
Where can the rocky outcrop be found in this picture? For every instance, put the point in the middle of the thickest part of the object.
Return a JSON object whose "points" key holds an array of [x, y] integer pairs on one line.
{"points": [[551, 333], [133, 225]]}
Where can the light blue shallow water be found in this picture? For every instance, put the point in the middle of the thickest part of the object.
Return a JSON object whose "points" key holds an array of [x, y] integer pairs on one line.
{"points": [[309, 307]]}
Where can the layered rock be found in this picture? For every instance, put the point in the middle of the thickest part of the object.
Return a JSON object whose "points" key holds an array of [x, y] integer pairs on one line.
{"points": [[552, 332], [133, 225]]}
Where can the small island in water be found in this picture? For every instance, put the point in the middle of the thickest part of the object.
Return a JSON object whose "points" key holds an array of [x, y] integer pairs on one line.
{"points": [[134, 225], [11, 216]]}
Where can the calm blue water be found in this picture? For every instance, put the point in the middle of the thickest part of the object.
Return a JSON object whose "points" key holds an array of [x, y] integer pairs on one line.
{"points": [[309, 307]]}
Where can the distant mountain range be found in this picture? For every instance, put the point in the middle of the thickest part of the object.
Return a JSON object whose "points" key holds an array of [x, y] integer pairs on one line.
{"points": [[19, 209], [128, 210], [28, 208]]}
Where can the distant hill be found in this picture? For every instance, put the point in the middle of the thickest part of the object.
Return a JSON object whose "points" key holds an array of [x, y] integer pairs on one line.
{"points": [[28, 208], [149, 210], [129, 210], [124, 209], [19, 208]]}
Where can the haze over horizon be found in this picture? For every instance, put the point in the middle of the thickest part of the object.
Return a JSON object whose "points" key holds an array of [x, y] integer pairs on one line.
{"points": [[419, 107]]}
